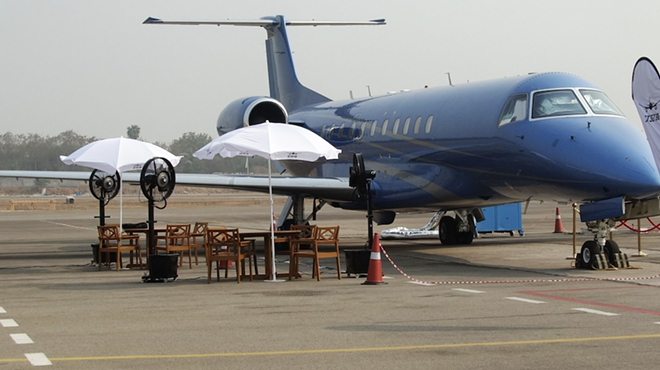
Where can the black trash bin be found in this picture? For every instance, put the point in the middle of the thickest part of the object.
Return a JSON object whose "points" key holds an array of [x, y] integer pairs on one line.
{"points": [[162, 267], [104, 256], [357, 261]]}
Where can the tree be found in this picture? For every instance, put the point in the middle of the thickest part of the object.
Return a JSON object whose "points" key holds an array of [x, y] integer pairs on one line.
{"points": [[133, 131]]}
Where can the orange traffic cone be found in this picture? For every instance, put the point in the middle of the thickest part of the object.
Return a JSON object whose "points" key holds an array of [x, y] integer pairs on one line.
{"points": [[375, 273], [559, 228]]}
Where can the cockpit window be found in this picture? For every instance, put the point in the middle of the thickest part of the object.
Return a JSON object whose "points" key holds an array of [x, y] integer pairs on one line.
{"points": [[515, 109], [599, 102], [556, 103]]}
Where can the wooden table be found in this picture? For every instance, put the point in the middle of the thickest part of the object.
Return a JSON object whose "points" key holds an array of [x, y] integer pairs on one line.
{"points": [[280, 236]]}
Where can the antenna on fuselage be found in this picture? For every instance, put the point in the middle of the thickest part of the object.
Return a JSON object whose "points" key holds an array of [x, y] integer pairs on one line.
{"points": [[369, 90], [449, 77]]}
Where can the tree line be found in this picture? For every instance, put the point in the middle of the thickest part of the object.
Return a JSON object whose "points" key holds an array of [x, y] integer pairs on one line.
{"points": [[34, 152]]}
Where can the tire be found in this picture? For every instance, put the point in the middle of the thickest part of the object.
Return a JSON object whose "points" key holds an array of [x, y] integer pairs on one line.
{"points": [[447, 230], [611, 248], [464, 238], [588, 254]]}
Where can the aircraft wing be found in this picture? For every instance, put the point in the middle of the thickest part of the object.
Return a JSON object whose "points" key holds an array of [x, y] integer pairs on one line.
{"points": [[323, 188]]}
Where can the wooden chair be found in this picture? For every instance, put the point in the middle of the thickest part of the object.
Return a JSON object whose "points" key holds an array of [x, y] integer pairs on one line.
{"points": [[322, 237], [226, 245], [111, 241], [299, 243], [177, 239], [198, 238]]}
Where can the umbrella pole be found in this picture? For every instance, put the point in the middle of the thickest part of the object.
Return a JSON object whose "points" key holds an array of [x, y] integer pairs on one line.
{"points": [[121, 204], [273, 278]]}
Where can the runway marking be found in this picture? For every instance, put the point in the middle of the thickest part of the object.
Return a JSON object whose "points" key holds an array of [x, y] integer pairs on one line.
{"points": [[2, 310], [350, 350], [67, 225], [589, 310], [591, 303], [524, 300], [38, 359], [420, 283], [8, 323], [21, 338], [468, 290]]}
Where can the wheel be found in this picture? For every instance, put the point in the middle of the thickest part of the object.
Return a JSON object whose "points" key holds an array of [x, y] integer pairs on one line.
{"points": [[464, 238], [588, 253], [447, 230], [610, 249]]}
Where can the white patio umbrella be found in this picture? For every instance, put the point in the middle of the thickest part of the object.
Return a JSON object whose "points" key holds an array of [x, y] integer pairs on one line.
{"points": [[274, 141], [117, 155]]}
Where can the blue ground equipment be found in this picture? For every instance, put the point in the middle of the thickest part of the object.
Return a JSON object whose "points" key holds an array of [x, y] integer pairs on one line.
{"points": [[502, 219]]}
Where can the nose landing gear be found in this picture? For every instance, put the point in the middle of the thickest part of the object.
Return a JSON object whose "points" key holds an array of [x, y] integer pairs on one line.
{"points": [[600, 253]]}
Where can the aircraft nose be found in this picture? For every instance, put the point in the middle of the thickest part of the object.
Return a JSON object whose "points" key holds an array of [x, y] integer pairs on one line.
{"points": [[638, 176]]}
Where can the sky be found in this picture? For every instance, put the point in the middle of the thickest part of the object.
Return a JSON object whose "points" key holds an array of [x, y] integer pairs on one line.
{"points": [[91, 66]]}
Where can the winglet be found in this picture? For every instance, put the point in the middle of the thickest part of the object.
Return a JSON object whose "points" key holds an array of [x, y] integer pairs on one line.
{"points": [[151, 20]]}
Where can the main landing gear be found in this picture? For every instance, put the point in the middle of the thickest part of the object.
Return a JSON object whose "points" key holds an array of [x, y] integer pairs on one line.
{"points": [[457, 230]]}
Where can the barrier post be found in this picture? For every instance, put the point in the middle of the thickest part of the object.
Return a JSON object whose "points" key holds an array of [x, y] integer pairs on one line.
{"points": [[574, 233], [639, 240]]}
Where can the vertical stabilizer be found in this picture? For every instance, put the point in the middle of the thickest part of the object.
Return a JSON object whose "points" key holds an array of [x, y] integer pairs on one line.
{"points": [[646, 95], [284, 84]]}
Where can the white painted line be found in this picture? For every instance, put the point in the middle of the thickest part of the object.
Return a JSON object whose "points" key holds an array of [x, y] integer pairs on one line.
{"points": [[2, 310], [420, 283], [524, 300], [658, 322], [468, 290], [589, 310], [67, 225], [8, 323], [21, 338], [38, 359]]}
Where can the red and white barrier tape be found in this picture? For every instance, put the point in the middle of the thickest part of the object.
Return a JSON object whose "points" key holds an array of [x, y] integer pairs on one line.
{"points": [[571, 280], [623, 223]]}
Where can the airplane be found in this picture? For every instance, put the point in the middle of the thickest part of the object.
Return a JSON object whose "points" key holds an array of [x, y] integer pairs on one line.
{"points": [[533, 137]]}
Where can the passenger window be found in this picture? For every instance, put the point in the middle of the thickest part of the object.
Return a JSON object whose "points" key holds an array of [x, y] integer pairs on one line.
{"points": [[341, 130], [556, 103], [418, 121], [374, 124], [384, 130], [364, 129], [515, 109], [406, 125], [429, 122], [395, 128], [351, 132], [331, 131], [600, 103]]}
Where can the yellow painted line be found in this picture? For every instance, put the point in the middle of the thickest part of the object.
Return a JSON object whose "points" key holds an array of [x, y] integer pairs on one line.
{"points": [[346, 350]]}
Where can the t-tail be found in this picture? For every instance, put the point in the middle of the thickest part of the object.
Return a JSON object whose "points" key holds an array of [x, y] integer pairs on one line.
{"points": [[283, 82], [646, 95]]}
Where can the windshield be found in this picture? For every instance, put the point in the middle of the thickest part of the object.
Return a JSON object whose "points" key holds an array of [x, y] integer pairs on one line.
{"points": [[556, 103], [515, 109], [599, 102]]}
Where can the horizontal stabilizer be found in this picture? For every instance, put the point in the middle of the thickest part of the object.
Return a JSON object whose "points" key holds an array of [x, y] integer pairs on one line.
{"points": [[267, 21]]}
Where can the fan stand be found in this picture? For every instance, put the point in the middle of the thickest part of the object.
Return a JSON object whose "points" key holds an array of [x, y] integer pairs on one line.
{"points": [[370, 216], [164, 266]]}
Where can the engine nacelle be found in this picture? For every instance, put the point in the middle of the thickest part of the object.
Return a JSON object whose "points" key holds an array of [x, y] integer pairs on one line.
{"points": [[251, 111]]}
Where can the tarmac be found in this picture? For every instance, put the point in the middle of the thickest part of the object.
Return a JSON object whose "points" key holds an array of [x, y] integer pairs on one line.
{"points": [[502, 302]]}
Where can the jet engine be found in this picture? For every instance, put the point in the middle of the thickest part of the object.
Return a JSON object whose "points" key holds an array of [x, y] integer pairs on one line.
{"points": [[251, 111]]}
